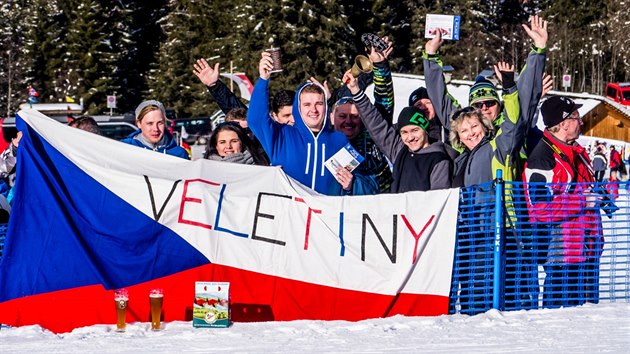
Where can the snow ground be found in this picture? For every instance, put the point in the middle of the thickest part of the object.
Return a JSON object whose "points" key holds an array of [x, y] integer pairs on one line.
{"points": [[585, 329]]}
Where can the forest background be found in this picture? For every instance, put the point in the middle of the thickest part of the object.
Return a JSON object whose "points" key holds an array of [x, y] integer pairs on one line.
{"points": [[88, 49]]}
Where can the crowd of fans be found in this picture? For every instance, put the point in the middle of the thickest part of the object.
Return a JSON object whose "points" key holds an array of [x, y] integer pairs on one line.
{"points": [[434, 144]]}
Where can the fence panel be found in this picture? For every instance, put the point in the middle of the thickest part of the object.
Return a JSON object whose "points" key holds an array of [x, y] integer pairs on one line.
{"points": [[471, 289], [581, 254], [3, 236]]}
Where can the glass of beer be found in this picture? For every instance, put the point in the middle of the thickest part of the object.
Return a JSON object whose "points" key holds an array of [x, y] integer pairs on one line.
{"points": [[121, 298], [156, 297]]}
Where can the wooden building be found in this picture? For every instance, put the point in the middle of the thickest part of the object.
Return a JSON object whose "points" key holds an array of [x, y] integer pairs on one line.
{"points": [[608, 120]]}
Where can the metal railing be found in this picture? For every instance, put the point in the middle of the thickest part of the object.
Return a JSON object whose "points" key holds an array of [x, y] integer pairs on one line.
{"points": [[508, 260], [3, 236]]}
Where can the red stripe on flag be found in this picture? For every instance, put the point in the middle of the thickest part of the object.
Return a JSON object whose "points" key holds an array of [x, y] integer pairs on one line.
{"points": [[253, 297]]}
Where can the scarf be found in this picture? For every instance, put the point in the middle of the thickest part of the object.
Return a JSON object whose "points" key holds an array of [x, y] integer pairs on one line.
{"points": [[244, 158]]}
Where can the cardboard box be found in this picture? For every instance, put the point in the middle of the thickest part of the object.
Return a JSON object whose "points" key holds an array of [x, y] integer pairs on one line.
{"points": [[212, 304], [449, 25]]}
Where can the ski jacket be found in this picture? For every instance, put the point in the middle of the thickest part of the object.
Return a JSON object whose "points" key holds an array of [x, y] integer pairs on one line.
{"points": [[169, 146], [529, 87], [557, 177], [427, 169], [299, 151]]}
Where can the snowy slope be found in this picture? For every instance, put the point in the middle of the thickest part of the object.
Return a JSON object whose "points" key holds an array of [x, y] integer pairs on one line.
{"points": [[584, 329]]}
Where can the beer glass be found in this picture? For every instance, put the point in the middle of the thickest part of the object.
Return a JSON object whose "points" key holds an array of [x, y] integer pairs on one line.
{"points": [[276, 57], [121, 298], [156, 297]]}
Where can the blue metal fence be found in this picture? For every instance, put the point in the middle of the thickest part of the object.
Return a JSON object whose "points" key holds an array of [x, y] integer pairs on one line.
{"points": [[3, 236], [506, 261]]}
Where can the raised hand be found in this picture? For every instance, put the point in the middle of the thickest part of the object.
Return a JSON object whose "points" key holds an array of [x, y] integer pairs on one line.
{"points": [[377, 57], [351, 82], [538, 31], [547, 84], [265, 65], [206, 74], [324, 85], [503, 67], [433, 45], [16, 141]]}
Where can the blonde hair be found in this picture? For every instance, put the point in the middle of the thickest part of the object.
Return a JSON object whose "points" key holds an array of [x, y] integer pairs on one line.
{"points": [[146, 110], [458, 118]]}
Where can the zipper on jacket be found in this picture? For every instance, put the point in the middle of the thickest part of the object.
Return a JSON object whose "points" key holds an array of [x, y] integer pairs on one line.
{"points": [[308, 158], [314, 174], [323, 159]]}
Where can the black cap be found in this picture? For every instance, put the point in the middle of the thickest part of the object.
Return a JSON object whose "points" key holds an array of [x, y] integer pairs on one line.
{"points": [[555, 109], [412, 116], [417, 95]]}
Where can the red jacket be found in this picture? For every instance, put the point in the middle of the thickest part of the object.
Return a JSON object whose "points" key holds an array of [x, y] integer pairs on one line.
{"points": [[567, 174], [615, 160]]}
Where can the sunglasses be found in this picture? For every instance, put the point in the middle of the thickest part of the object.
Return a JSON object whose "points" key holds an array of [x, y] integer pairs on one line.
{"points": [[344, 100], [487, 104]]}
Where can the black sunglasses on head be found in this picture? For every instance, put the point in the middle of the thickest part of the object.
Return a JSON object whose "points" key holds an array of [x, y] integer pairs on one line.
{"points": [[459, 112]]}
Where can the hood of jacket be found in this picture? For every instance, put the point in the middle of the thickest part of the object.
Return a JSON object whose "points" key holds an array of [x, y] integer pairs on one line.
{"points": [[299, 120], [169, 141]]}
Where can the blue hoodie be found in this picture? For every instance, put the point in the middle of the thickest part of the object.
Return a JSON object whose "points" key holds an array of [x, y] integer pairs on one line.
{"points": [[296, 148], [169, 148]]}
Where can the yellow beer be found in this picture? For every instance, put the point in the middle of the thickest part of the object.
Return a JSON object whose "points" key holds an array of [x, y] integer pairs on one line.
{"points": [[156, 298], [121, 298], [121, 314]]}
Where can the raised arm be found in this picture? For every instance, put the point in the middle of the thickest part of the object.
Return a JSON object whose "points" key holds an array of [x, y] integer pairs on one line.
{"points": [[383, 83], [509, 138], [530, 83], [443, 103], [258, 118], [384, 135], [209, 76]]}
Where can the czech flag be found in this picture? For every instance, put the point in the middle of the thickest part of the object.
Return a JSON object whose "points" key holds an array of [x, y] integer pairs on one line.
{"points": [[92, 215]]}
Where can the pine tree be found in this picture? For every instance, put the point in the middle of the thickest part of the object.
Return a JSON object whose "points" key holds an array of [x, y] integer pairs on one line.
{"points": [[43, 46], [12, 89], [91, 59], [171, 80], [142, 42], [617, 41]]}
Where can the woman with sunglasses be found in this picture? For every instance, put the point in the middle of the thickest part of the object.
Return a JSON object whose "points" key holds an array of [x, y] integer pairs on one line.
{"points": [[230, 143], [486, 149], [483, 150], [483, 94]]}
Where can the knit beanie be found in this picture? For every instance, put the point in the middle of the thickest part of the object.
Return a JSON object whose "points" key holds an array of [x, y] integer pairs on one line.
{"points": [[417, 95], [158, 104], [482, 90], [412, 116]]}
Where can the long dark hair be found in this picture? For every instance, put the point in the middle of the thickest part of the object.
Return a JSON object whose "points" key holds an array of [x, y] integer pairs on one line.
{"points": [[246, 142]]}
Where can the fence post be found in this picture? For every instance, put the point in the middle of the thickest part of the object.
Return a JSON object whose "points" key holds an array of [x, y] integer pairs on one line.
{"points": [[498, 232]]}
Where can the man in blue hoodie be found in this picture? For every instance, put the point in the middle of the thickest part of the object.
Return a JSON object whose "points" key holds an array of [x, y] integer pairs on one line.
{"points": [[152, 135], [301, 149]]}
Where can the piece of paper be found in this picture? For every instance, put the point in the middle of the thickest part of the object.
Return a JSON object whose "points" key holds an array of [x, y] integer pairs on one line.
{"points": [[448, 24], [347, 157]]}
